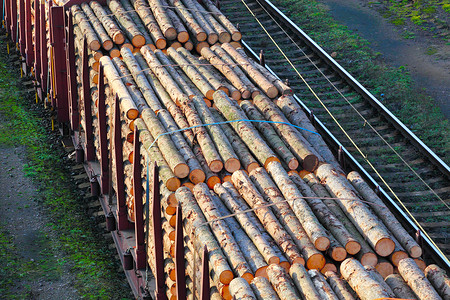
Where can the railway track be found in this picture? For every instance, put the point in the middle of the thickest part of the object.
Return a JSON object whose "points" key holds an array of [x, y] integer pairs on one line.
{"points": [[399, 162]]}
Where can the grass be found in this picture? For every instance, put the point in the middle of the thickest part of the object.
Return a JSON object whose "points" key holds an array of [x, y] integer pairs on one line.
{"points": [[86, 251], [414, 108]]}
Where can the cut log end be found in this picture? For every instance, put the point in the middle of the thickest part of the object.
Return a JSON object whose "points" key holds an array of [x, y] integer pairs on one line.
{"points": [[170, 33], [252, 166], [274, 260], [285, 265], [107, 45], [322, 243], [200, 46], [95, 45], [232, 165], [415, 251], [225, 292], [246, 94], [216, 166], [138, 40], [353, 247], [173, 184], [420, 263], [272, 92], [269, 160], [236, 36], [201, 36], [338, 253], [384, 247], [385, 268], [310, 163], [329, 266], [299, 260], [293, 164], [161, 43], [189, 185], [248, 277], [224, 37], [262, 272], [369, 259], [316, 261], [397, 256], [236, 95], [212, 181], [197, 176], [183, 36], [132, 114], [181, 170], [209, 94], [118, 38], [213, 38], [226, 276]]}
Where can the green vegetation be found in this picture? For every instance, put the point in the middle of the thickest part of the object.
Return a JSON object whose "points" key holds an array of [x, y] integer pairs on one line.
{"points": [[85, 250], [417, 110]]}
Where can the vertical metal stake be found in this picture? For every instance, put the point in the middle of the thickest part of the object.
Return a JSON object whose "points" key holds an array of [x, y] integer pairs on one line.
{"points": [[180, 268], [206, 290]]}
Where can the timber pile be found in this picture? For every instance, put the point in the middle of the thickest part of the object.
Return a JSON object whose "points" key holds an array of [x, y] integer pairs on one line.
{"points": [[312, 231]]}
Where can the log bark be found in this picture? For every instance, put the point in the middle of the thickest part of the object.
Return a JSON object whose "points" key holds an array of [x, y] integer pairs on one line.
{"points": [[196, 174], [360, 215], [281, 282], [131, 30], [323, 288], [143, 10], [385, 215], [103, 36], [298, 144], [261, 81], [154, 154], [384, 267], [294, 113], [212, 36], [262, 289], [133, 14], [109, 24], [201, 235], [312, 226], [163, 19], [83, 23], [254, 199], [270, 135], [235, 205], [245, 129], [127, 104], [328, 219], [235, 34], [340, 287], [226, 71], [377, 276], [439, 280], [223, 35], [303, 282], [223, 146], [399, 287], [360, 280], [222, 232], [197, 78], [267, 188], [211, 178], [240, 289], [192, 25], [182, 33], [416, 280], [245, 157], [230, 89], [206, 144]]}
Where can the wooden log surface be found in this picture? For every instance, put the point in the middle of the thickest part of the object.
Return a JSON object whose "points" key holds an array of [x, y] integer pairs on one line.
{"points": [[103, 36], [439, 280], [400, 287], [323, 288], [109, 24], [163, 19], [235, 34], [148, 19], [131, 30], [303, 282], [262, 289], [240, 289], [377, 276], [281, 282], [83, 23], [191, 24], [339, 286], [416, 280]]}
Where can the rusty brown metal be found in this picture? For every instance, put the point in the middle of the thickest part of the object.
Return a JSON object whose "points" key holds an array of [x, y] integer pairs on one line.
{"points": [[22, 27], [180, 267], [205, 293], [103, 134], [37, 43], [87, 106], [29, 52], [71, 74], [43, 53]]}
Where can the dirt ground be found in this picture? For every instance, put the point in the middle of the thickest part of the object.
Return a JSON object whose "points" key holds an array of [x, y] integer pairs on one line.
{"points": [[429, 71]]}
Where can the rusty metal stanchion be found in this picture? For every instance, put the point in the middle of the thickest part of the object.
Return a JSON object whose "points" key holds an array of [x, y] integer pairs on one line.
{"points": [[205, 293], [102, 132], [180, 267], [89, 134], [71, 74]]}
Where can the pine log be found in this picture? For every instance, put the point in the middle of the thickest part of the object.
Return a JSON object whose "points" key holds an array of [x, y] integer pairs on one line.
{"points": [[88, 32], [399, 287], [192, 25], [212, 36], [235, 34], [245, 129], [161, 73], [377, 276], [154, 154], [206, 144], [222, 232], [227, 71], [235, 205], [439, 280], [416, 280], [223, 35], [245, 157], [126, 103], [282, 88], [163, 19], [109, 24], [141, 80], [196, 174], [197, 78], [298, 144], [303, 282], [360, 215], [254, 199], [262, 289], [270, 135], [103, 36], [169, 151], [323, 288], [202, 236], [385, 215], [263, 83], [211, 178], [360, 280], [223, 146], [131, 30], [294, 113], [281, 282], [312, 226], [143, 10], [328, 219], [271, 193], [340, 287], [250, 252]]}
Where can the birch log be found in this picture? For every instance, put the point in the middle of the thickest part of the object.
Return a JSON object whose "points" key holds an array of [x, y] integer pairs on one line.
{"points": [[303, 282], [131, 30], [164, 21], [182, 33], [385, 215], [235, 34], [281, 282], [439, 280], [323, 288], [212, 36], [109, 24], [240, 289], [192, 25], [340, 287], [399, 287], [223, 35], [148, 19], [211, 178], [103, 36], [83, 23], [262, 289], [377, 276]]}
